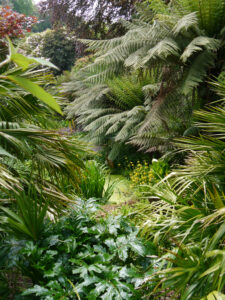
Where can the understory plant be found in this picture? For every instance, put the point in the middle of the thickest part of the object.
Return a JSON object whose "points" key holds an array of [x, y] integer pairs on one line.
{"points": [[185, 219], [81, 257], [26, 217], [25, 107], [146, 173], [95, 182]]}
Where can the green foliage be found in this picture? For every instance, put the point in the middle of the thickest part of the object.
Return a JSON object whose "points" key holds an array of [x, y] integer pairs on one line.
{"points": [[206, 164], [25, 7], [117, 111], [210, 14], [179, 44], [145, 173], [95, 182], [28, 221], [57, 45], [79, 255], [22, 113], [29, 86], [185, 217]]}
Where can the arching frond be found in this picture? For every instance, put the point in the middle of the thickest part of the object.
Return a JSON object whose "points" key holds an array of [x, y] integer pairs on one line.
{"points": [[199, 44], [185, 23], [197, 71], [175, 41]]}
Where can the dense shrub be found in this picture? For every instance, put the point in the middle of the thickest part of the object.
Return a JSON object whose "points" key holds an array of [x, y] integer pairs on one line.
{"points": [[58, 45]]}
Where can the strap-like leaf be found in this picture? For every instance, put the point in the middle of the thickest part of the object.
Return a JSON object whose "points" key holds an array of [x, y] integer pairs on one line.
{"points": [[36, 91]]}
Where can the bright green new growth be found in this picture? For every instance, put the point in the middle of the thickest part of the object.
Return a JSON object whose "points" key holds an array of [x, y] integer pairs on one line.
{"points": [[95, 182]]}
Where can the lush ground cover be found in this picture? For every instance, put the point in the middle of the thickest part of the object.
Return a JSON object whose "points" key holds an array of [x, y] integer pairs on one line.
{"points": [[112, 175]]}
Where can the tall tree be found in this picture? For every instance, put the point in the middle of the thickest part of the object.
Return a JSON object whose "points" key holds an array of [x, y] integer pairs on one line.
{"points": [[25, 7], [90, 18]]}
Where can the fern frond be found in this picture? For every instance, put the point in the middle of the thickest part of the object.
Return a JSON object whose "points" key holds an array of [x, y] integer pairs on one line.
{"points": [[198, 44], [185, 23], [197, 71], [162, 50]]}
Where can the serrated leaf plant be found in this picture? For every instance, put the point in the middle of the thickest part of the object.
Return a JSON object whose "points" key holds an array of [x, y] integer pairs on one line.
{"points": [[95, 258]]}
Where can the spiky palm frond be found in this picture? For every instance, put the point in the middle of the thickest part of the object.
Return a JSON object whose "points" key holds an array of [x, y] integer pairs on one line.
{"points": [[51, 154], [7, 179], [206, 164], [187, 220]]}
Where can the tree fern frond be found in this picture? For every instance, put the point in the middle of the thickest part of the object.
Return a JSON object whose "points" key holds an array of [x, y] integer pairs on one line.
{"points": [[197, 71], [172, 41], [116, 148], [198, 44], [102, 45], [135, 59], [162, 50], [210, 14], [185, 23]]}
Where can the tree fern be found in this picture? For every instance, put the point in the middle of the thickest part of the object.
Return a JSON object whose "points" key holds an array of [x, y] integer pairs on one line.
{"points": [[179, 42]]}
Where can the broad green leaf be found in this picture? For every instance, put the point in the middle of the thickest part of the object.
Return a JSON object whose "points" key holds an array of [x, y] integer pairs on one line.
{"points": [[42, 62], [24, 61], [38, 290], [137, 247], [109, 294], [123, 253], [110, 243], [36, 91], [12, 49], [21, 60], [55, 271]]}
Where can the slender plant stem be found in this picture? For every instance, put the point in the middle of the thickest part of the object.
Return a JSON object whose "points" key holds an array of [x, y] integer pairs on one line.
{"points": [[5, 62]]}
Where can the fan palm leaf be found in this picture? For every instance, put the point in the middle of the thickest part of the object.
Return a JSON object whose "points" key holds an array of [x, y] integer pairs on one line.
{"points": [[22, 106]]}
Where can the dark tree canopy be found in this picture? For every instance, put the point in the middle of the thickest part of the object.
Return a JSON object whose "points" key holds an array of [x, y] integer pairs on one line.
{"points": [[90, 18]]}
